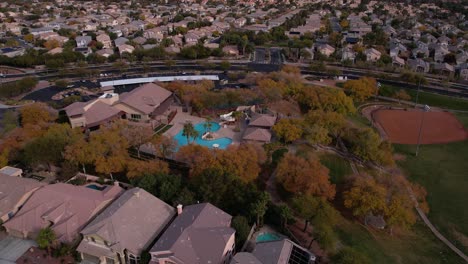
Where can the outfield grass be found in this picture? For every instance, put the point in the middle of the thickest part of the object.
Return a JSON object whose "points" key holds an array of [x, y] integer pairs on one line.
{"points": [[430, 99], [415, 246], [339, 167], [443, 170]]}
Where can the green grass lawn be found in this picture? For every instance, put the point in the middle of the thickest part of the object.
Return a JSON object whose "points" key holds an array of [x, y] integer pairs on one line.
{"points": [[430, 99], [443, 171], [415, 246], [339, 167]]}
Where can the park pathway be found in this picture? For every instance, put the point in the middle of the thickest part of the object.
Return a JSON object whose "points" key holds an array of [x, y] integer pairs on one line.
{"points": [[423, 216]]}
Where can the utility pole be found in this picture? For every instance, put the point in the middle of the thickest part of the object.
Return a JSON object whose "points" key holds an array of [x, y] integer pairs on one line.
{"points": [[425, 109]]}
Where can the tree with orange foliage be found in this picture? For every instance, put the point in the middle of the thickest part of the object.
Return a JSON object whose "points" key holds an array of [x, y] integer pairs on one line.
{"points": [[51, 44], [110, 149], [362, 89], [136, 135], [197, 157], [137, 168], [304, 176], [288, 130], [242, 161], [35, 118], [365, 196], [164, 146]]}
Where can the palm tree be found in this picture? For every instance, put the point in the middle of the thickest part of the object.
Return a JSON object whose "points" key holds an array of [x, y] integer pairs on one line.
{"points": [[46, 239], [208, 125], [285, 214], [237, 115], [189, 132]]}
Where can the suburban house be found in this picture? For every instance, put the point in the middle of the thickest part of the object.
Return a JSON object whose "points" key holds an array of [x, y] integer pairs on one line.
{"points": [[94, 113], [200, 234], [149, 101], [125, 228], [419, 65], [275, 252], [259, 128], [63, 207], [372, 54], [105, 40], [125, 48], [325, 49], [14, 191], [83, 41]]}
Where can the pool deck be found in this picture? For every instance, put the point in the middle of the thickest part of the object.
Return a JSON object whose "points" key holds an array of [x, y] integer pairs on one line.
{"points": [[181, 118]]}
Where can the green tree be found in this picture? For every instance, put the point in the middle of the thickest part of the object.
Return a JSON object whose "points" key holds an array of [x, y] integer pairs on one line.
{"points": [[46, 239], [225, 65], [349, 255], [189, 132], [259, 208], [242, 227]]}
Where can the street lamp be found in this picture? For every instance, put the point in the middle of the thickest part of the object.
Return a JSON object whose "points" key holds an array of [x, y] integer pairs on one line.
{"points": [[417, 94], [425, 109]]}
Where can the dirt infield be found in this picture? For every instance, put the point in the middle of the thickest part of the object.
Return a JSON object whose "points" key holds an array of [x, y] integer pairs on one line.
{"points": [[402, 126]]}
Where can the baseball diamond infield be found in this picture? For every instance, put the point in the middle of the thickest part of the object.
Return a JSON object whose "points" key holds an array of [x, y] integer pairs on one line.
{"points": [[402, 126]]}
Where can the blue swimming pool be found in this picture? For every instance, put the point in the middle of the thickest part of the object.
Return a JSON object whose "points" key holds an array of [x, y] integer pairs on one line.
{"points": [[266, 237], [95, 187], [200, 127]]}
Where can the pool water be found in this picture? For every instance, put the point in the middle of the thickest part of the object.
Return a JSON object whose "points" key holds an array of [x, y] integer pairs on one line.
{"points": [[95, 187], [266, 237], [222, 142]]}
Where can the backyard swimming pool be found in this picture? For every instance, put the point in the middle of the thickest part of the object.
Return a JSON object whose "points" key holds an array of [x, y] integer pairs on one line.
{"points": [[95, 187], [223, 143], [266, 237]]}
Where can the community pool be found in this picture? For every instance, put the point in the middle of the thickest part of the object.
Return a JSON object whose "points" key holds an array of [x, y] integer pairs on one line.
{"points": [[266, 237], [222, 143]]}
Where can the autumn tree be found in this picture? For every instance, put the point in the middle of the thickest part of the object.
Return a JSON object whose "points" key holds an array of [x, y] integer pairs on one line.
{"points": [[110, 148], [81, 153], [402, 95], [321, 127], [288, 130], [304, 176], [325, 99], [242, 161], [361, 89], [138, 168], [197, 157], [51, 44], [35, 118], [365, 196], [367, 145]]}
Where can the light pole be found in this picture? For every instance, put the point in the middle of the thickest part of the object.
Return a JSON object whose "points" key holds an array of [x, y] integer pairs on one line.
{"points": [[417, 94], [425, 109]]}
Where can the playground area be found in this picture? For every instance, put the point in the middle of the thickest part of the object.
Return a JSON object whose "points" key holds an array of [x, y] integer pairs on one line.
{"points": [[402, 126]]}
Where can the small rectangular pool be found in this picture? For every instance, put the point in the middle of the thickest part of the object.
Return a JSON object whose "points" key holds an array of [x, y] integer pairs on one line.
{"points": [[95, 187]]}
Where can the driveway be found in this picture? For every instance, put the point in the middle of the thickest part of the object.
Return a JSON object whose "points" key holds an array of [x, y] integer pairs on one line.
{"points": [[12, 248]]}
